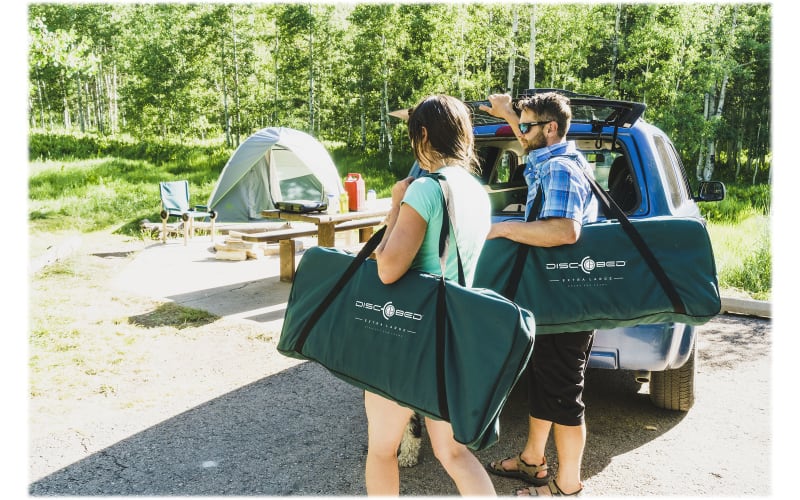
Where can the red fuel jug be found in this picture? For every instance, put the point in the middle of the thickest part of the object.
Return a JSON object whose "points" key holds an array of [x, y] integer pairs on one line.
{"points": [[354, 186]]}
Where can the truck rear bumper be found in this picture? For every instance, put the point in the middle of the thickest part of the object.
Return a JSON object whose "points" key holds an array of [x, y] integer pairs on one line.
{"points": [[658, 347]]}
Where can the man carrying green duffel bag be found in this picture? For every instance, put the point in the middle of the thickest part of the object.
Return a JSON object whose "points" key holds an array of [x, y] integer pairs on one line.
{"points": [[559, 202]]}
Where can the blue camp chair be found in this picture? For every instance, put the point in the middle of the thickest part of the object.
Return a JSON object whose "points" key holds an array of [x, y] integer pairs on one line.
{"points": [[175, 203]]}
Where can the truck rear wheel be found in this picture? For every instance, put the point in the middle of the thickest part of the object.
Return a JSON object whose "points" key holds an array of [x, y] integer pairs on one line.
{"points": [[674, 389]]}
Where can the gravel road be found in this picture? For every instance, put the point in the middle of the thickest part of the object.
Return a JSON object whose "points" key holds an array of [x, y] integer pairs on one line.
{"points": [[300, 431]]}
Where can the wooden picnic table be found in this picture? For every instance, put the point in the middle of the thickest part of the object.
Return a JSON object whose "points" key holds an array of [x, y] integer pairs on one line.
{"points": [[326, 227], [326, 223]]}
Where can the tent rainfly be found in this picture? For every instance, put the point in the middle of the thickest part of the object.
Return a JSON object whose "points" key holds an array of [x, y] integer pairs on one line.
{"points": [[274, 164]]}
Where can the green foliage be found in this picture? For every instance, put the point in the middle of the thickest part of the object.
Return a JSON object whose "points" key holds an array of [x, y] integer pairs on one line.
{"points": [[65, 146], [373, 167], [753, 275], [740, 203], [103, 183], [743, 255], [740, 233], [336, 70], [171, 314]]}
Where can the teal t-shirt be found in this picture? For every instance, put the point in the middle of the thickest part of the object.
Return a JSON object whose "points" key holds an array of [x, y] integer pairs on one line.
{"points": [[472, 214]]}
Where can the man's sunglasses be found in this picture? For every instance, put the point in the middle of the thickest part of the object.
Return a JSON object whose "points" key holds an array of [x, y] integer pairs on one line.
{"points": [[524, 127]]}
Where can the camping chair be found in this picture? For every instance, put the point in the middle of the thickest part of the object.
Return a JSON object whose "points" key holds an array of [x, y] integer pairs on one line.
{"points": [[175, 202]]}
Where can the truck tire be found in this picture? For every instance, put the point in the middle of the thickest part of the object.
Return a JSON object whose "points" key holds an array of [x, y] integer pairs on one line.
{"points": [[674, 389]]}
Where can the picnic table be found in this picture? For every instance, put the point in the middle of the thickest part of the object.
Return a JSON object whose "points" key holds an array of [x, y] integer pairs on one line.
{"points": [[327, 225]]}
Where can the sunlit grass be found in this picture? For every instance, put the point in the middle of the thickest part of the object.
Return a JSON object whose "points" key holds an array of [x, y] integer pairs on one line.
{"points": [[743, 255]]}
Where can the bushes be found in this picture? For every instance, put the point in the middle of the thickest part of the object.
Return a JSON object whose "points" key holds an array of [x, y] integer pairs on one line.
{"points": [[754, 274], [740, 203], [739, 229]]}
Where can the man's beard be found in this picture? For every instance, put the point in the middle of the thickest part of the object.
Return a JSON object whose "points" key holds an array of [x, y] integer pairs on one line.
{"points": [[537, 142]]}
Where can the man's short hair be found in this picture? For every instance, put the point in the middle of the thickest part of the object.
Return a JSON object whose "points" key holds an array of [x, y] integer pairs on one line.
{"points": [[549, 106]]}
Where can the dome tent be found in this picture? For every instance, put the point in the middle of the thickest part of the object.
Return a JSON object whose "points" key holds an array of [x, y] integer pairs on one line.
{"points": [[274, 164]]}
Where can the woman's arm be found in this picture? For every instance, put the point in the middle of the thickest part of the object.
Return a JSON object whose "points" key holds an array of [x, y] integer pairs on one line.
{"points": [[405, 230], [400, 244]]}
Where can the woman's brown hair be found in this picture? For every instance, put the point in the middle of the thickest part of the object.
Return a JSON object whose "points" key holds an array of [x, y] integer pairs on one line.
{"points": [[449, 125]]}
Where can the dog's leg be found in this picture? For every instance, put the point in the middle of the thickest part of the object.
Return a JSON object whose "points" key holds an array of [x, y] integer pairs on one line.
{"points": [[408, 455]]}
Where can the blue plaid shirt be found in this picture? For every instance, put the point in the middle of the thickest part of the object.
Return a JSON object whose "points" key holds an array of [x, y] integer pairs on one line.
{"points": [[568, 193]]}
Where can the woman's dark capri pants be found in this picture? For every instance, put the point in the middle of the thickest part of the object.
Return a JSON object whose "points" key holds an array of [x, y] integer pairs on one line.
{"points": [[556, 376]]}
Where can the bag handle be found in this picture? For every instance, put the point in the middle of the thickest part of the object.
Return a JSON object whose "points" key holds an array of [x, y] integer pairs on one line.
{"points": [[512, 285], [448, 217], [441, 306], [610, 208]]}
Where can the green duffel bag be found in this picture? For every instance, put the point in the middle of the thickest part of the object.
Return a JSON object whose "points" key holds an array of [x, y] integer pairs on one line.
{"points": [[620, 273], [444, 350]]}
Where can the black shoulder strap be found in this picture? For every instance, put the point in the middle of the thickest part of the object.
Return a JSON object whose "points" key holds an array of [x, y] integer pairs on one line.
{"points": [[611, 208], [512, 285], [348, 273]]}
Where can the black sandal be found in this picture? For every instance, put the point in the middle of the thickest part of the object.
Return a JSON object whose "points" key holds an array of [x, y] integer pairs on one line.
{"points": [[552, 491], [524, 471]]}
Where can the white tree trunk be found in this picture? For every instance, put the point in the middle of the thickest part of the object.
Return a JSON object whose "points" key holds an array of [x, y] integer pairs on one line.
{"points": [[532, 58], [700, 159], [489, 61], [615, 50], [363, 121], [708, 168], [311, 82], [512, 56]]}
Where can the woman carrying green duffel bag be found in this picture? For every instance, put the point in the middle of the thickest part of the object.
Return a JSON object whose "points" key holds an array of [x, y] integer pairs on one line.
{"points": [[441, 136]]}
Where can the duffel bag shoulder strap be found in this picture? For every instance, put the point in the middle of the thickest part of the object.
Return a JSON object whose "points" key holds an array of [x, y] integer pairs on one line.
{"points": [[510, 291], [359, 259], [611, 209], [448, 218]]}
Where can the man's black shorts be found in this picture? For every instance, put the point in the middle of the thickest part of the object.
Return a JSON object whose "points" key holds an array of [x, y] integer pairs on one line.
{"points": [[556, 376]]}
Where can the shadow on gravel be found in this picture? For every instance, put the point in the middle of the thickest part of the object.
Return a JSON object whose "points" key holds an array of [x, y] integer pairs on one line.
{"points": [[238, 298], [299, 432], [303, 432], [618, 420]]}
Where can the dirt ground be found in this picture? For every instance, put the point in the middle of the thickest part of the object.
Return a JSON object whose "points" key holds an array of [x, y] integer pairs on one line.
{"points": [[122, 364]]}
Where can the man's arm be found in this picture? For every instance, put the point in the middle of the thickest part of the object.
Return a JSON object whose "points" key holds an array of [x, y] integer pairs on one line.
{"points": [[550, 232], [501, 107]]}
